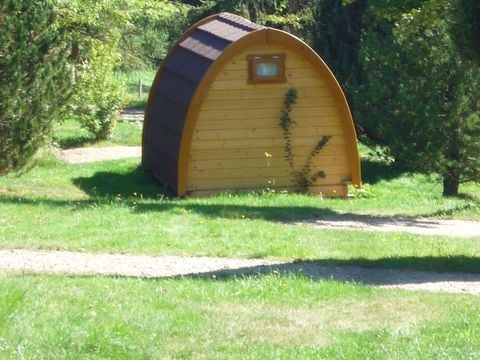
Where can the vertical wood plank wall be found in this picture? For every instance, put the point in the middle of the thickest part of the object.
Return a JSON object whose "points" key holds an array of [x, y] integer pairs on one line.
{"points": [[238, 129]]}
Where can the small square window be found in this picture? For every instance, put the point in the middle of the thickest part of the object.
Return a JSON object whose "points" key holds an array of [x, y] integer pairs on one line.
{"points": [[266, 68]]}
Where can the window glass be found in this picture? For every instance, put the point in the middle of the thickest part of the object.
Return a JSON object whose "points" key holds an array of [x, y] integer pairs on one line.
{"points": [[267, 69]]}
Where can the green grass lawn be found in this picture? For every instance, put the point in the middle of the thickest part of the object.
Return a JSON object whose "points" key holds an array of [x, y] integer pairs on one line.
{"points": [[113, 206], [69, 134], [261, 317]]}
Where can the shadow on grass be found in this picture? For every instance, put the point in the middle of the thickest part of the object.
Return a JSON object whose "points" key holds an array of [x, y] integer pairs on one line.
{"points": [[136, 104], [375, 171], [281, 214], [309, 215], [162, 201], [474, 204], [74, 141], [110, 184], [142, 192], [394, 271], [143, 185]]}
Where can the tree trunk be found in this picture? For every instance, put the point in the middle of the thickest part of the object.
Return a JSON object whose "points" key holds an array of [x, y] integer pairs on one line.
{"points": [[74, 55], [451, 182], [75, 52]]}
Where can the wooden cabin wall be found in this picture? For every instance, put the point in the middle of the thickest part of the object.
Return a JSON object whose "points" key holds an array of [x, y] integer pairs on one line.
{"points": [[238, 129]]}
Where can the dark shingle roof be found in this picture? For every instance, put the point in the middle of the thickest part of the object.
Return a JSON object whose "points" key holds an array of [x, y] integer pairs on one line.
{"points": [[179, 77]]}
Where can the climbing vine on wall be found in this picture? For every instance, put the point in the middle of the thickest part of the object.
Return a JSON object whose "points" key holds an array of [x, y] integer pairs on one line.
{"points": [[286, 123], [305, 177]]}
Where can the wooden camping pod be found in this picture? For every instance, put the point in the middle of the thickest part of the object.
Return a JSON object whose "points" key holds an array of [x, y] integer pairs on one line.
{"points": [[212, 118]]}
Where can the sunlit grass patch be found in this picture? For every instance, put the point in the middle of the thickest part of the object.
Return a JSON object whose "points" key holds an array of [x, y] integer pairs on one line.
{"points": [[69, 134], [114, 206], [268, 316]]}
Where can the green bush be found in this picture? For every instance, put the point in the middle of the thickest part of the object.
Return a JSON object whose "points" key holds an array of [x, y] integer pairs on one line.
{"points": [[94, 30], [99, 96], [34, 78]]}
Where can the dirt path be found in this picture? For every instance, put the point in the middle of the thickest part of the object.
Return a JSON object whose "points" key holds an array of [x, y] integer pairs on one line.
{"points": [[92, 154], [420, 226], [132, 115], [74, 263]]}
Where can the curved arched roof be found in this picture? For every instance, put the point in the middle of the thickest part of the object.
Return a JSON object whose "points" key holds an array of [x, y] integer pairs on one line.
{"points": [[174, 87], [184, 78]]}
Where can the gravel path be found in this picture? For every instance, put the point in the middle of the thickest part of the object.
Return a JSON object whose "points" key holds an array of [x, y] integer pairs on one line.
{"points": [[92, 154], [74, 263], [77, 263], [132, 115], [420, 226]]}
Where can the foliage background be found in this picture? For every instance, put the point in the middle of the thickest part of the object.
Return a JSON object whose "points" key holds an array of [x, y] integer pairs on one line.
{"points": [[34, 78], [410, 68]]}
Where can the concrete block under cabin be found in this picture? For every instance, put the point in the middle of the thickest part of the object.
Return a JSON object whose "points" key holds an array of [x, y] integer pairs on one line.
{"points": [[212, 121]]}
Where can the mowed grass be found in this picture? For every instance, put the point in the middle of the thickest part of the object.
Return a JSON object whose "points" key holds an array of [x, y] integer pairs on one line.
{"points": [[114, 206], [69, 134], [263, 317]]}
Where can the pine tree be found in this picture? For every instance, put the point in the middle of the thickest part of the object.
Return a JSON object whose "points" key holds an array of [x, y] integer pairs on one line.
{"points": [[465, 28], [420, 97], [412, 91], [34, 78], [336, 35]]}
